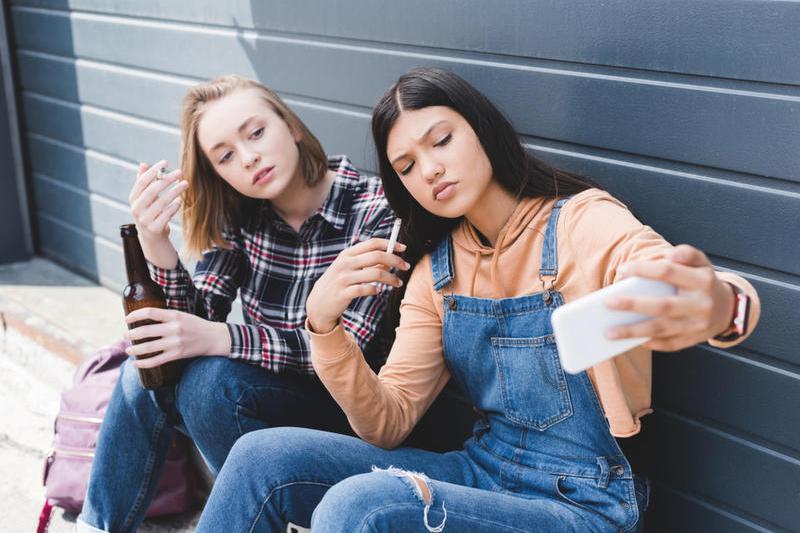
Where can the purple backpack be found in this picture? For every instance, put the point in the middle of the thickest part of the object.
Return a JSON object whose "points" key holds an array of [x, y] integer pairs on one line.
{"points": [[66, 468]]}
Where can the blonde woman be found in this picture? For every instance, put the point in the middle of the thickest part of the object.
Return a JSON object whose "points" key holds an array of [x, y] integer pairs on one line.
{"points": [[267, 213]]}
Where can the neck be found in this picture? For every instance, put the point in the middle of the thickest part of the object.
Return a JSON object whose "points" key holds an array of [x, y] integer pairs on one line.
{"points": [[492, 211], [298, 201]]}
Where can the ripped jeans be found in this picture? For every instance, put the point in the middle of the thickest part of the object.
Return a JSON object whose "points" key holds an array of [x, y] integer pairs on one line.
{"points": [[337, 483]]}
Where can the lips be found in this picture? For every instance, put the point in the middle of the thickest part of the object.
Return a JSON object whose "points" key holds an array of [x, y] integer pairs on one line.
{"points": [[263, 175], [443, 190]]}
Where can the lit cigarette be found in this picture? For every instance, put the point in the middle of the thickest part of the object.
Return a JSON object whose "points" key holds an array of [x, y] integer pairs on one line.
{"points": [[393, 236]]}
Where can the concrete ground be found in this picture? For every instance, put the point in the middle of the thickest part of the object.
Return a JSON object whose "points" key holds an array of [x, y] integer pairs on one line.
{"points": [[50, 319]]}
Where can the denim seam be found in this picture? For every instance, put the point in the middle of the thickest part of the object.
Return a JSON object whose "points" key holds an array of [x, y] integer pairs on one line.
{"points": [[634, 506], [279, 487], [550, 472], [148, 473], [237, 406]]}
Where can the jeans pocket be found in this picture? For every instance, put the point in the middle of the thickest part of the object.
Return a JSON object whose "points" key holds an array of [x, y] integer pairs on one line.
{"points": [[615, 504], [532, 382]]}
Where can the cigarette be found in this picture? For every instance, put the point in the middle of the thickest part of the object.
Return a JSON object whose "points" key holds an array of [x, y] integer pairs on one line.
{"points": [[393, 236]]}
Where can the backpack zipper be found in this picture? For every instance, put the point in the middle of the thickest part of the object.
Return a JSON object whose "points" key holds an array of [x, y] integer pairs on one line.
{"points": [[77, 418], [62, 451]]}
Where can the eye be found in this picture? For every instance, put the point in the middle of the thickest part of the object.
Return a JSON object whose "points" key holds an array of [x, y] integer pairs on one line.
{"points": [[444, 140], [256, 133], [225, 157], [406, 169]]}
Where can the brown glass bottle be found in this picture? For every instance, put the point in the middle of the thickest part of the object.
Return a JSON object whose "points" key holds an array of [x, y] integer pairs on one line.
{"points": [[142, 291]]}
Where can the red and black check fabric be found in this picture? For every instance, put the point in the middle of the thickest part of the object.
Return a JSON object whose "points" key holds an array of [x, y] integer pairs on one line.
{"points": [[274, 268]]}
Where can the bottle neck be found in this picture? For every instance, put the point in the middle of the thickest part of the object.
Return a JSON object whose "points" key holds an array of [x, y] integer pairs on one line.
{"points": [[135, 263]]}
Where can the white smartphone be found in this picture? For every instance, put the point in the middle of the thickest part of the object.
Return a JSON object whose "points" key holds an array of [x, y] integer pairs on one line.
{"points": [[580, 327]]}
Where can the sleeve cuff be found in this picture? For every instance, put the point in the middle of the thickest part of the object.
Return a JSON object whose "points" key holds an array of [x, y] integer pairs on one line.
{"points": [[174, 281], [331, 346]]}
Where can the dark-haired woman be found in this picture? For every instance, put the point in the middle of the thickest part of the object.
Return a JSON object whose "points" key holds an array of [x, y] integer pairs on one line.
{"points": [[495, 241]]}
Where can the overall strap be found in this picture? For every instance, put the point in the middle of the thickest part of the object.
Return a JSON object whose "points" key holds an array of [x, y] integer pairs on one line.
{"points": [[442, 263], [548, 269]]}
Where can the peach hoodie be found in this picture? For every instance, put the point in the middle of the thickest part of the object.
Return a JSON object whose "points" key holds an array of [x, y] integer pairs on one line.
{"points": [[596, 235]]}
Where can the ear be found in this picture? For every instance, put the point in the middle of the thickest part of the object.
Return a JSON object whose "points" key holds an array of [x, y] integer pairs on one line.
{"points": [[296, 135]]}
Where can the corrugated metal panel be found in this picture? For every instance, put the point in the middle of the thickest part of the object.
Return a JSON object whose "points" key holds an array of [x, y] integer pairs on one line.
{"points": [[689, 111]]}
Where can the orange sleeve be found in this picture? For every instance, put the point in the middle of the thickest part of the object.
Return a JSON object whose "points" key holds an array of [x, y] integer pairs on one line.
{"points": [[383, 409]]}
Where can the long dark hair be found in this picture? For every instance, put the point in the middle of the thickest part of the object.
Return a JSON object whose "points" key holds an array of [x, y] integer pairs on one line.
{"points": [[516, 170]]}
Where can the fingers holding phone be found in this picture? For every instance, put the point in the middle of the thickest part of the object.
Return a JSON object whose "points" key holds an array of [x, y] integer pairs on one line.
{"points": [[700, 309]]}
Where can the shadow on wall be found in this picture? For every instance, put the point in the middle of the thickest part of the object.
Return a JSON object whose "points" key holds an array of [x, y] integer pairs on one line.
{"points": [[56, 158]]}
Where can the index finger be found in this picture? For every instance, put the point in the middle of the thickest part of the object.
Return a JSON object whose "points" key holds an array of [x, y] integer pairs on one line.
{"points": [[681, 276], [689, 255], [146, 177], [373, 244], [148, 313]]}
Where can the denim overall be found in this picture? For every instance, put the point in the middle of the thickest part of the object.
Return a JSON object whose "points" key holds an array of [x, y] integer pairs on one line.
{"points": [[542, 432], [541, 457]]}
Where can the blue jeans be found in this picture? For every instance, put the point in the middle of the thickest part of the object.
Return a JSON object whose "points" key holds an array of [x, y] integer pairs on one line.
{"points": [[337, 483], [217, 401]]}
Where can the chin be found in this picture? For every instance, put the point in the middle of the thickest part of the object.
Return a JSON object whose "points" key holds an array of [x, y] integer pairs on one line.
{"points": [[447, 211]]}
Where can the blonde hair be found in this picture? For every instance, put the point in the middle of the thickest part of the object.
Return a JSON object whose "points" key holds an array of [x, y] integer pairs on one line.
{"points": [[210, 203]]}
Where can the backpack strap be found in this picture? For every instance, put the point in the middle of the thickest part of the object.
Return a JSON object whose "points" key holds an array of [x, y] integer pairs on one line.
{"points": [[44, 517]]}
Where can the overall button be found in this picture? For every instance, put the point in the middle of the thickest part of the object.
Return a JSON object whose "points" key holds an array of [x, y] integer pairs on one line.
{"points": [[618, 470], [452, 304]]}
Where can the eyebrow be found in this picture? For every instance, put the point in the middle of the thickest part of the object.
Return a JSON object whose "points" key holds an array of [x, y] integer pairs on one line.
{"points": [[427, 132], [239, 129]]}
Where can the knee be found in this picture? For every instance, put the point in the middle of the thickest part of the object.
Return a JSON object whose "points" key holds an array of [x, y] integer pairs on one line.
{"points": [[279, 453], [205, 387], [130, 385], [370, 499]]}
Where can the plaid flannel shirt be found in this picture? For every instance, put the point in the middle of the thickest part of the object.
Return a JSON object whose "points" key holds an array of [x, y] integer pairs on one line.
{"points": [[274, 269]]}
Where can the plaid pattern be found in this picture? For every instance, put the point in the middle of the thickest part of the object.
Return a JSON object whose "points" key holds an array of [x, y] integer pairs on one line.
{"points": [[274, 268]]}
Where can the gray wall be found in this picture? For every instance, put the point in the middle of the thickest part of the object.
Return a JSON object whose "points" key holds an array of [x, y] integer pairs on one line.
{"points": [[687, 110]]}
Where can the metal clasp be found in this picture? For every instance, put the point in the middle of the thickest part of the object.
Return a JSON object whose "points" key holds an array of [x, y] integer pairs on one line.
{"points": [[547, 288]]}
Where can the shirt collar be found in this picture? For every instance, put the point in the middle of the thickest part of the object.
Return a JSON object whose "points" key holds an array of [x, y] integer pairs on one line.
{"points": [[336, 209]]}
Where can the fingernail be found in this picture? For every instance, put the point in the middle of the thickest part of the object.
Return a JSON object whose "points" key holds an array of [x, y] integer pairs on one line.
{"points": [[613, 302], [407, 265], [612, 334]]}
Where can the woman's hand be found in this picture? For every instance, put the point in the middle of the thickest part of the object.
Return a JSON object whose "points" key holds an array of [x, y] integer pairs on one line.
{"points": [[701, 309], [353, 274], [181, 335], [153, 204]]}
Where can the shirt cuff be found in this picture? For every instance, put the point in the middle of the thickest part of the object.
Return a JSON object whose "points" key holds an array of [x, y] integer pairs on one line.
{"points": [[174, 281], [246, 342]]}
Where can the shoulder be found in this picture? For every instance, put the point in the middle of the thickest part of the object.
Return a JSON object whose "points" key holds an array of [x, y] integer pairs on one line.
{"points": [[368, 207], [592, 199], [595, 209]]}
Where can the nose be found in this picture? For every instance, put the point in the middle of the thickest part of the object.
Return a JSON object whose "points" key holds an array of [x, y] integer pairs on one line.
{"points": [[431, 169], [251, 159]]}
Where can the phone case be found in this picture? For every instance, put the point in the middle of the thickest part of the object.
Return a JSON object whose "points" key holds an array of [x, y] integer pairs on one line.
{"points": [[580, 327]]}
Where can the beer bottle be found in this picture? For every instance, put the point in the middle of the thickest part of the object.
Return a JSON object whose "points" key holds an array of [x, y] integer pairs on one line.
{"points": [[140, 292]]}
